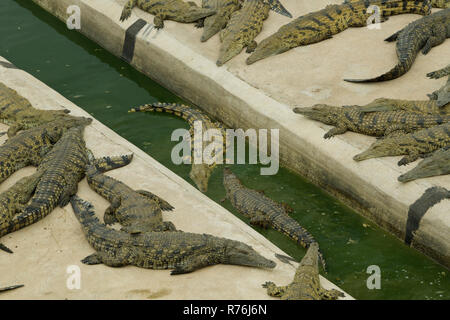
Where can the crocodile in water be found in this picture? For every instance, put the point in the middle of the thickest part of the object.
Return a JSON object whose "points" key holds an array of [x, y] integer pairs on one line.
{"points": [[183, 252], [370, 123], [419, 35]]}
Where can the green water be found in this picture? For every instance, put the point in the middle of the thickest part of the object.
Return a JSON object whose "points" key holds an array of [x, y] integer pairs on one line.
{"points": [[107, 87]]}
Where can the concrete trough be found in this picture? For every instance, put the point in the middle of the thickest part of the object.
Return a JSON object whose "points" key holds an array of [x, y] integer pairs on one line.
{"points": [[262, 96], [45, 252]]}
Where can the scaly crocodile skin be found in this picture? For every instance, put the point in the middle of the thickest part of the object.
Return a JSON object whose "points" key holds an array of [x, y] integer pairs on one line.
{"points": [[19, 114], [440, 73], [215, 23], [182, 251], [265, 212], [419, 106], [323, 24], [176, 10], [242, 29], [419, 35], [414, 144], [137, 211], [30, 146], [13, 200], [370, 123], [62, 168], [200, 172], [306, 283]]}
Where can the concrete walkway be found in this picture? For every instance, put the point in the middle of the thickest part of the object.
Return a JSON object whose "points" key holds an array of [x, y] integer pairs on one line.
{"points": [[44, 251], [262, 96]]}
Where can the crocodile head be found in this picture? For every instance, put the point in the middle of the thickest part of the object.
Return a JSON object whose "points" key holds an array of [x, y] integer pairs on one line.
{"points": [[212, 26], [228, 51], [239, 253], [321, 112], [200, 174], [381, 148], [268, 47]]}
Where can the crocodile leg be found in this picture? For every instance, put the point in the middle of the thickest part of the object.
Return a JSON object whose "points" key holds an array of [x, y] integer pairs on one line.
{"points": [[335, 131], [273, 290], [192, 263], [109, 216], [251, 46], [408, 159], [126, 12], [163, 204]]}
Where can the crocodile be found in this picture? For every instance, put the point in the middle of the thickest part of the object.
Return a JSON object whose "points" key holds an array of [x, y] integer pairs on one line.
{"points": [[333, 19], [63, 167], [200, 172], [419, 35], [265, 212], [137, 211], [244, 25], [11, 288], [442, 95], [438, 163], [306, 284], [215, 23], [439, 73], [418, 106], [440, 4], [413, 145], [370, 123], [176, 10], [13, 201], [225, 8], [19, 114], [183, 252], [29, 147]]}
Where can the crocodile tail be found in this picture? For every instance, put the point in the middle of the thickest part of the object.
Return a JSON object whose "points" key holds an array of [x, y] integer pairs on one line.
{"points": [[276, 6], [5, 248], [399, 70], [109, 163], [187, 113]]}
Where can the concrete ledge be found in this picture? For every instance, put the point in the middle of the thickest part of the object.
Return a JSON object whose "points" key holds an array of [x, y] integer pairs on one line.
{"points": [[43, 251], [263, 95]]}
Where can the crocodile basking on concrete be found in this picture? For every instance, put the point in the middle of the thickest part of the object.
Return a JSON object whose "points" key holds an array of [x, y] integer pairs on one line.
{"points": [[242, 29], [183, 252], [419, 35], [19, 114], [306, 284], [136, 210], [413, 145], [62, 168], [30, 146], [333, 19], [442, 95], [200, 172], [350, 118], [265, 212], [215, 23], [418, 106], [176, 10], [14, 200], [436, 164]]}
